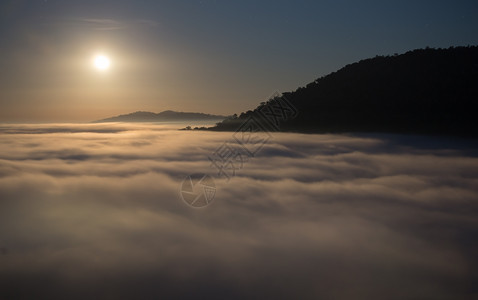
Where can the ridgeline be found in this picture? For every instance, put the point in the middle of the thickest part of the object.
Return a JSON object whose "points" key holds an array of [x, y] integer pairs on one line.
{"points": [[425, 91], [165, 116]]}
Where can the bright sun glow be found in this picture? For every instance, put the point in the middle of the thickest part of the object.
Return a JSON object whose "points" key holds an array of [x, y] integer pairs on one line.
{"points": [[102, 62]]}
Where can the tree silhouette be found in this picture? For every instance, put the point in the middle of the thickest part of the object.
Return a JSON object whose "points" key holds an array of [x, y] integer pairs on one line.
{"points": [[427, 91]]}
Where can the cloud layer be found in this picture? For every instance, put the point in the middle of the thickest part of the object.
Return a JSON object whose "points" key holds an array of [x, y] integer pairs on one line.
{"points": [[94, 211]]}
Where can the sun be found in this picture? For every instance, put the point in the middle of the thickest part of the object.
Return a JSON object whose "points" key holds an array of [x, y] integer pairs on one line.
{"points": [[101, 62]]}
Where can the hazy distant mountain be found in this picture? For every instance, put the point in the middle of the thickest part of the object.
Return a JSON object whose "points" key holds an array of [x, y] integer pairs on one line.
{"points": [[429, 91], [165, 116]]}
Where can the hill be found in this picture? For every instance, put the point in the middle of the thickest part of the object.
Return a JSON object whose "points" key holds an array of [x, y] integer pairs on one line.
{"points": [[165, 116], [424, 91]]}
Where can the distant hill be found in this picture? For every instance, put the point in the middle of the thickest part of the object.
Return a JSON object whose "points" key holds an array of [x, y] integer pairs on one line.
{"points": [[425, 91], [165, 116]]}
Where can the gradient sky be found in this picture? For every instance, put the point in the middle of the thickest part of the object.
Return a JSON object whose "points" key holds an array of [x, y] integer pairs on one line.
{"points": [[209, 56]]}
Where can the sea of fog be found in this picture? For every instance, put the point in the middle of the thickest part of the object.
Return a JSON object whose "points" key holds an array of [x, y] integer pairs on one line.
{"points": [[96, 211]]}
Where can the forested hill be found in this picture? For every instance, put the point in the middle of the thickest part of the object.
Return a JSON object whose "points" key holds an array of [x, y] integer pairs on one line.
{"points": [[426, 91]]}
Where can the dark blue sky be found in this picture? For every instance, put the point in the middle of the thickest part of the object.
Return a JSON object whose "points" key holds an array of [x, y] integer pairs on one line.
{"points": [[209, 56]]}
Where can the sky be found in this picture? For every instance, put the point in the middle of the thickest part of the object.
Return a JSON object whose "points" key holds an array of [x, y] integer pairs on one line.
{"points": [[92, 211], [219, 57]]}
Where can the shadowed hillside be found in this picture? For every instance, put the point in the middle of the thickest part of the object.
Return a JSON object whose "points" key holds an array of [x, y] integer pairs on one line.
{"points": [[426, 91], [165, 116]]}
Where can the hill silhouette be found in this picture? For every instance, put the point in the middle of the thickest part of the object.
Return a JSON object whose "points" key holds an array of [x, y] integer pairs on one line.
{"points": [[424, 91], [165, 116]]}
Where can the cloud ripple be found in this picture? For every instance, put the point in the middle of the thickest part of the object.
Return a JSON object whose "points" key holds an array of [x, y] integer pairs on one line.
{"points": [[93, 211]]}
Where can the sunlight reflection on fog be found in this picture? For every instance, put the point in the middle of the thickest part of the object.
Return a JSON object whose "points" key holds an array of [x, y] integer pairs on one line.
{"points": [[309, 215]]}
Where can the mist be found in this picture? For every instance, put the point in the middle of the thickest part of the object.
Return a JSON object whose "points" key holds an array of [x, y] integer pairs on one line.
{"points": [[94, 211]]}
